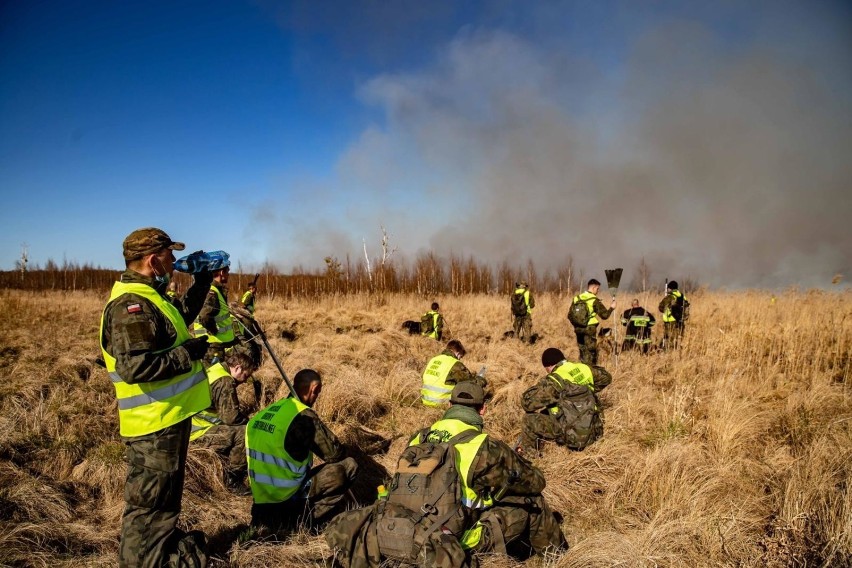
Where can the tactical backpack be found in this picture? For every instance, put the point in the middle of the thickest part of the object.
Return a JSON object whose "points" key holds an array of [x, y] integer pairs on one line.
{"points": [[427, 323], [578, 313], [579, 415], [424, 502], [519, 304], [680, 309]]}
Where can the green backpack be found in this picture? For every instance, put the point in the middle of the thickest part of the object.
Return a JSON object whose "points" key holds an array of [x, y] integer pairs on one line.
{"points": [[578, 313], [519, 304], [424, 501]]}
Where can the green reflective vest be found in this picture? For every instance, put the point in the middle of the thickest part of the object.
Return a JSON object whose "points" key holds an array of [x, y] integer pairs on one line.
{"points": [[274, 475], [465, 454], [224, 323], [589, 299], [248, 301], [144, 408], [208, 417], [667, 315], [435, 391]]}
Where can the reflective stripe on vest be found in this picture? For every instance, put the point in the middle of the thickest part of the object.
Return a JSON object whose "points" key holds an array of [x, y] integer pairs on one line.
{"points": [[589, 299], [144, 408], [435, 391], [208, 418], [223, 319], [576, 373], [465, 454], [274, 475], [667, 315]]}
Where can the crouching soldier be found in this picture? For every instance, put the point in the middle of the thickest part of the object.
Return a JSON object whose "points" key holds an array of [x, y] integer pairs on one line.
{"points": [[443, 372], [563, 407], [281, 441], [495, 499], [222, 426]]}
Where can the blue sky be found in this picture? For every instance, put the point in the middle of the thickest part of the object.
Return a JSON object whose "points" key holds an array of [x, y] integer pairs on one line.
{"points": [[711, 138]]}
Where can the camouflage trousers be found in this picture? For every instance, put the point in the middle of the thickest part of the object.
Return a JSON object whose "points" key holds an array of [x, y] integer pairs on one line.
{"points": [[519, 524], [537, 426], [229, 442], [672, 334], [326, 494], [587, 342], [153, 491], [522, 326]]}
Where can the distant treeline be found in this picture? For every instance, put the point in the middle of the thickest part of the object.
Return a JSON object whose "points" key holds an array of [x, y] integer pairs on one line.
{"points": [[429, 275]]}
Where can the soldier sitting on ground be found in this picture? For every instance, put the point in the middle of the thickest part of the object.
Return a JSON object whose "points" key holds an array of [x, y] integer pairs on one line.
{"points": [[563, 407], [443, 372], [222, 426], [281, 441]]}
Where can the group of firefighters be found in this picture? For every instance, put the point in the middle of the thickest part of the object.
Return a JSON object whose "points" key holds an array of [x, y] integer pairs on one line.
{"points": [[176, 361]]}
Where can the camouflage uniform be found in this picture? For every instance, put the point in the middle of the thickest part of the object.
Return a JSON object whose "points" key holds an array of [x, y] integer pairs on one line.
{"points": [[434, 325], [460, 373], [207, 318], [539, 423], [328, 482], [138, 335], [228, 438], [522, 325], [248, 301], [587, 336], [520, 518]]}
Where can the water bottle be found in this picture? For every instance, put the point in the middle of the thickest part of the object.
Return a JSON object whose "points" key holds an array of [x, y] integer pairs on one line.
{"points": [[200, 261]]}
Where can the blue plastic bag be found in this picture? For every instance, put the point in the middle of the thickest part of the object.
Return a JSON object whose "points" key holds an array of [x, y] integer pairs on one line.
{"points": [[200, 261]]}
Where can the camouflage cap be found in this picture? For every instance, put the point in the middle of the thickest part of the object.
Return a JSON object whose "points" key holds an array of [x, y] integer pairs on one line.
{"points": [[468, 393], [148, 240]]}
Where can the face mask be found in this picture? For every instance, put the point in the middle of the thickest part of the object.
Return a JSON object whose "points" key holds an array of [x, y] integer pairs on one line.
{"points": [[165, 278]]}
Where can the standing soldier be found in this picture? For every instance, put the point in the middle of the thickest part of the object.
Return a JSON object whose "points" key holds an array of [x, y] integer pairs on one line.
{"points": [[432, 323], [675, 310], [215, 320], [281, 441], [155, 367], [248, 298], [586, 327], [639, 322], [443, 372], [563, 407], [522, 303], [222, 426]]}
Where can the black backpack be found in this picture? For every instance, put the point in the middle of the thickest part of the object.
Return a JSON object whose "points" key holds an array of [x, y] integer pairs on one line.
{"points": [[680, 309], [424, 501], [519, 304], [578, 313], [579, 415]]}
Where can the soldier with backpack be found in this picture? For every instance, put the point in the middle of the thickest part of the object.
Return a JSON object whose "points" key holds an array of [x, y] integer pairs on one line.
{"points": [[585, 314], [432, 323], [563, 407], [522, 303], [456, 491], [675, 310]]}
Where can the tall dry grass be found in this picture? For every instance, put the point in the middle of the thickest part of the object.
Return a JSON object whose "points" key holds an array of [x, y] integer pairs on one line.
{"points": [[735, 450]]}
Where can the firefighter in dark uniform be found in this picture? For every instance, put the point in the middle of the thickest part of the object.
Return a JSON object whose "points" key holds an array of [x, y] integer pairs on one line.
{"points": [[638, 322], [155, 367]]}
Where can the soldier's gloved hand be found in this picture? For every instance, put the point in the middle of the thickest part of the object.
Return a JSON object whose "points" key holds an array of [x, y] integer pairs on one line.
{"points": [[204, 278], [196, 347]]}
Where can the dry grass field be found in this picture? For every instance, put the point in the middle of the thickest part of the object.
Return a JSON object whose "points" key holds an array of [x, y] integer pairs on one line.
{"points": [[735, 450]]}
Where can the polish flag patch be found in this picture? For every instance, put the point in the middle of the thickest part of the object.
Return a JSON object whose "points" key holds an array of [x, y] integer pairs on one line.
{"points": [[134, 309]]}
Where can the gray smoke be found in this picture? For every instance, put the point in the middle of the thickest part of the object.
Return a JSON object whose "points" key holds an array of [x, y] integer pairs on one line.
{"points": [[727, 165]]}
